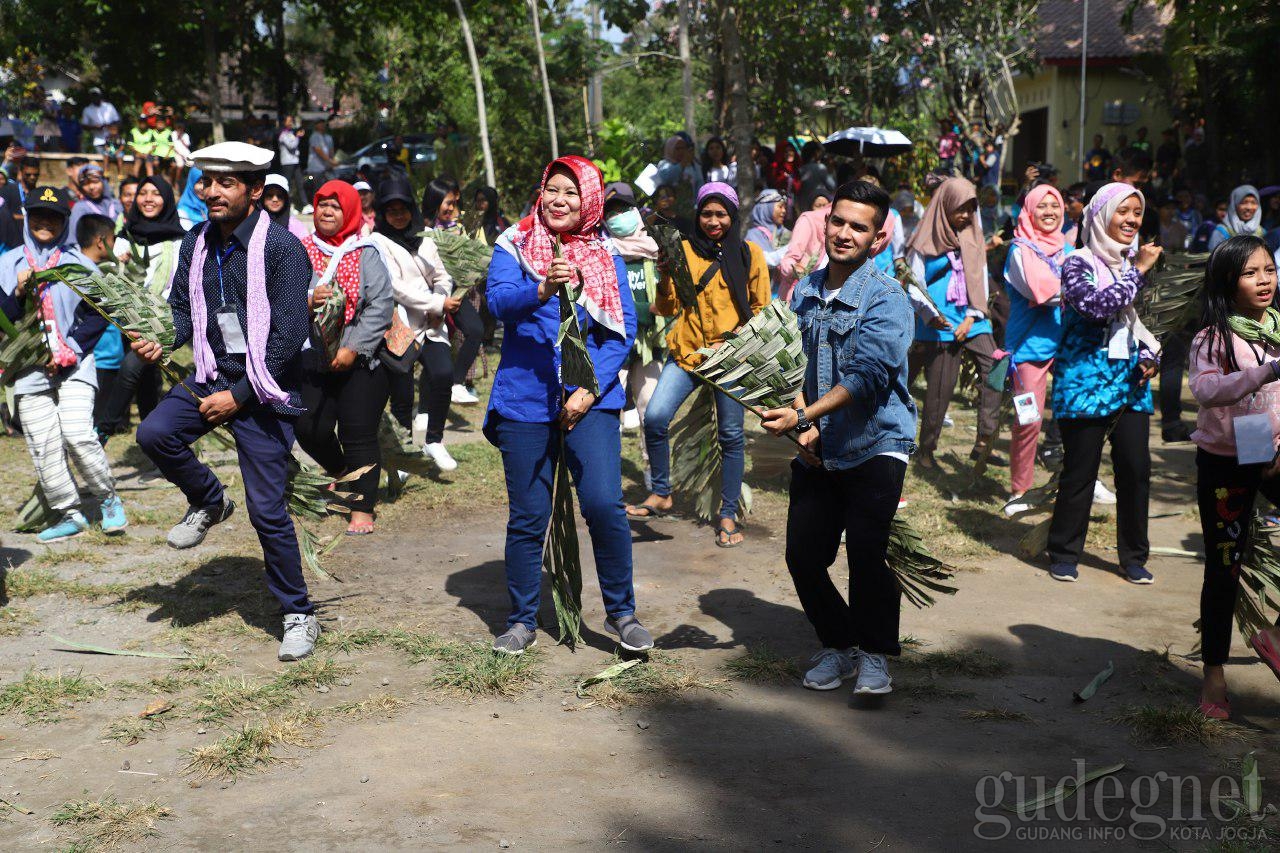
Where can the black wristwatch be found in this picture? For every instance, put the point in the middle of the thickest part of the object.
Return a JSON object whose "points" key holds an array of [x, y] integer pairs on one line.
{"points": [[803, 424]]}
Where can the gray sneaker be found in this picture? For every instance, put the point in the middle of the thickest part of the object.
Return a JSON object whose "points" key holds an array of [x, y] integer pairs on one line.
{"points": [[873, 674], [631, 635], [191, 531], [301, 630], [830, 668], [516, 640]]}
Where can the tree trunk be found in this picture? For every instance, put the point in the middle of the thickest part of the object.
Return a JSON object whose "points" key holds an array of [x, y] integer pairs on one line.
{"points": [[481, 114], [596, 116], [686, 72], [735, 84], [546, 84], [211, 73]]}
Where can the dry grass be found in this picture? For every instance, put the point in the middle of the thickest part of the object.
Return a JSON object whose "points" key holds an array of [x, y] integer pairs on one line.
{"points": [[313, 672], [251, 747], [663, 676], [46, 697], [220, 698], [970, 663], [357, 640], [205, 664], [930, 690], [27, 583], [131, 729], [997, 715], [38, 755], [1174, 724], [57, 557], [373, 705], [761, 664], [1154, 671], [106, 822], [15, 620], [475, 669]]}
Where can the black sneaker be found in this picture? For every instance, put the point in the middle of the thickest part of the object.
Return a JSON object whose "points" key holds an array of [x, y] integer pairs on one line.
{"points": [[995, 460], [1051, 457], [1179, 433]]}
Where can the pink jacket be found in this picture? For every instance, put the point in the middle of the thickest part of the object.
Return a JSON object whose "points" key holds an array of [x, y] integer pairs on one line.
{"points": [[807, 245], [1223, 396]]}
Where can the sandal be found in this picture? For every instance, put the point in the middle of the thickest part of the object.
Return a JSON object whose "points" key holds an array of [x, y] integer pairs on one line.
{"points": [[643, 511], [1216, 710], [724, 536], [364, 528]]}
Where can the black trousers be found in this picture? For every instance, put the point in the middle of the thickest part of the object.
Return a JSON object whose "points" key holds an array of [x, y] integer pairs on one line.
{"points": [[1226, 491], [106, 381], [1082, 441], [435, 388], [138, 378], [860, 503], [340, 427], [469, 324], [1173, 366]]}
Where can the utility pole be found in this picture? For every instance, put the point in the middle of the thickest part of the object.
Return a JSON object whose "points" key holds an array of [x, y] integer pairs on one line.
{"points": [[546, 84], [596, 82], [1084, 58], [686, 71]]}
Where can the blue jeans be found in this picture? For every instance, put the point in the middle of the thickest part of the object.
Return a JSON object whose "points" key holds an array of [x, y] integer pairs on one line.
{"points": [[674, 387], [529, 454]]}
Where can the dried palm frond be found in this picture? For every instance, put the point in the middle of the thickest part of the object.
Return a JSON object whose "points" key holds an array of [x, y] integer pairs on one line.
{"points": [[576, 368], [36, 514], [1259, 596], [25, 347], [311, 495], [125, 302], [902, 272], [919, 573], [561, 557], [466, 259], [696, 460], [330, 318], [671, 244], [1171, 301], [762, 363]]}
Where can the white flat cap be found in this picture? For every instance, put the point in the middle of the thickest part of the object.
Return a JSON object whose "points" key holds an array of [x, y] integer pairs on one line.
{"points": [[362, 186], [274, 180], [232, 157]]}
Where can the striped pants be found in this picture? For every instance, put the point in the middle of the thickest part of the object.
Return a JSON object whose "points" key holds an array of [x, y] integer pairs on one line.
{"points": [[59, 421]]}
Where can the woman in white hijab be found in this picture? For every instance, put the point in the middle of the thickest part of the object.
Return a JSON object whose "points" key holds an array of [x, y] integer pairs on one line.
{"points": [[1244, 216]]}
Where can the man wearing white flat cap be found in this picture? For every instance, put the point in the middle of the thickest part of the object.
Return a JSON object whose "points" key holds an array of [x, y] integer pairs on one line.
{"points": [[239, 297]]}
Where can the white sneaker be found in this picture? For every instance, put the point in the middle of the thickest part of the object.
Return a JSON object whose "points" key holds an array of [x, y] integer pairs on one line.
{"points": [[420, 423], [300, 634], [947, 422], [462, 397], [1103, 495], [437, 454], [902, 503], [1015, 505], [631, 419]]}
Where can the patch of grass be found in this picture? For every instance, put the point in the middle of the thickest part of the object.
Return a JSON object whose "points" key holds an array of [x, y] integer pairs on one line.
{"points": [[14, 620], [27, 583], [220, 698], [204, 664], [1172, 724], [475, 669], [375, 704], [55, 557], [661, 677], [250, 748], [313, 672], [1154, 672], [38, 755], [998, 715], [911, 642], [930, 690], [105, 823], [418, 647], [45, 697], [356, 640], [972, 663], [131, 729], [763, 665]]}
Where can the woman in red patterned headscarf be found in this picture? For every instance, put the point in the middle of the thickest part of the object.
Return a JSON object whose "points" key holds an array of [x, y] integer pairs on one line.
{"points": [[541, 406], [344, 392]]}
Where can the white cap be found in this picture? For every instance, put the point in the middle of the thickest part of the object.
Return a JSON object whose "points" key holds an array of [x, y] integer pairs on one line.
{"points": [[362, 186], [274, 180], [229, 157]]}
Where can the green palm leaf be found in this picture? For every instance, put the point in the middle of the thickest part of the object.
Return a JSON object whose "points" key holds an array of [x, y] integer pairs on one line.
{"points": [[696, 460], [561, 557], [671, 245], [26, 347], [466, 259], [1171, 301], [1259, 596], [330, 319], [763, 363]]}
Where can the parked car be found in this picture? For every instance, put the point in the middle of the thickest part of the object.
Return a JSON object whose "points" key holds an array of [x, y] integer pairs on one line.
{"points": [[421, 153]]}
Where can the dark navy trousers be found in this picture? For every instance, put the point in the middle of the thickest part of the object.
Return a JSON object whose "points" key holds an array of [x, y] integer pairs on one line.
{"points": [[264, 440]]}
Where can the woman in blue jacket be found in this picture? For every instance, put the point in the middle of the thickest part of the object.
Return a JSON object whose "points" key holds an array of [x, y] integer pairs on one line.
{"points": [[561, 241]]}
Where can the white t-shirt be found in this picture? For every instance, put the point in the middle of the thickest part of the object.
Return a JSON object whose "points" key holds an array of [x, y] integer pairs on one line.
{"points": [[324, 142], [98, 117], [287, 142]]}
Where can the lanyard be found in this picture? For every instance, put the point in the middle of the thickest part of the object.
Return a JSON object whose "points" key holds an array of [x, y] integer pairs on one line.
{"points": [[220, 256]]}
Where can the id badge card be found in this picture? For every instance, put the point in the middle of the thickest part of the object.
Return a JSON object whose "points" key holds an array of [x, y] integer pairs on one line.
{"points": [[1025, 407], [1255, 443], [232, 333]]}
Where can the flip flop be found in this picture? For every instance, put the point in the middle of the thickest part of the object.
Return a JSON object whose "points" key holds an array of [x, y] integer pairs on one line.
{"points": [[1262, 645], [643, 511], [353, 530], [724, 538]]}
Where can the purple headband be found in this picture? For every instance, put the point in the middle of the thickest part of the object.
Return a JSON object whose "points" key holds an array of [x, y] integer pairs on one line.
{"points": [[717, 188]]}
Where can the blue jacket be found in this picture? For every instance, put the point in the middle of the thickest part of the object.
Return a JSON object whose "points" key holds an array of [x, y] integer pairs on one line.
{"points": [[526, 386], [859, 340], [937, 278]]}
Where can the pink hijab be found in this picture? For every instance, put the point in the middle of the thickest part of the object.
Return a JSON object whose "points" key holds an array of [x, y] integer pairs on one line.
{"points": [[1043, 279]]}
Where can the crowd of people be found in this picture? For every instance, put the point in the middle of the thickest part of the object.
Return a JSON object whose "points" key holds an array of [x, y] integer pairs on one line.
{"points": [[308, 317]]}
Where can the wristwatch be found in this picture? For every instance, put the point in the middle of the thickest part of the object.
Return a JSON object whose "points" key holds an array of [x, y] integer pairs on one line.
{"points": [[803, 424]]}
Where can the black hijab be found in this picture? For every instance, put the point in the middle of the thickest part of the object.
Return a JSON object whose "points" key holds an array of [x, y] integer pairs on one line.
{"points": [[164, 227], [730, 251], [281, 216], [397, 188]]}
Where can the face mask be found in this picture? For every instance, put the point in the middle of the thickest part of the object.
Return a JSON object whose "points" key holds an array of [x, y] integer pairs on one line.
{"points": [[624, 224]]}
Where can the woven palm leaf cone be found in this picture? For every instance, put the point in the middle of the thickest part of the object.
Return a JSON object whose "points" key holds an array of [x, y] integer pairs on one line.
{"points": [[132, 308], [746, 377], [1168, 304], [24, 348], [329, 318], [466, 259]]}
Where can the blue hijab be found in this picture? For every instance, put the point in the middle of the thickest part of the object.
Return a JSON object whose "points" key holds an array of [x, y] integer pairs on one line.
{"points": [[192, 208], [762, 213]]}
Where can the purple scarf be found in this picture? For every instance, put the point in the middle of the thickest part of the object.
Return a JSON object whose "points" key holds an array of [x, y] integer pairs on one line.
{"points": [[957, 292], [258, 314]]}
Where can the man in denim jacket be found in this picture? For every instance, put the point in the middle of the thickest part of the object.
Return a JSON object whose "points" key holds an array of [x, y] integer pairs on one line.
{"points": [[856, 421]]}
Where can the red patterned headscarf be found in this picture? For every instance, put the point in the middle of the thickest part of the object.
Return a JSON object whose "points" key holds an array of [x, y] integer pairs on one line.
{"points": [[584, 247], [326, 251]]}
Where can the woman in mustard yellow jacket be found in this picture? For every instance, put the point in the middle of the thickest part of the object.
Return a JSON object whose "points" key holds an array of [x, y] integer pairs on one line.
{"points": [[732, 280]]}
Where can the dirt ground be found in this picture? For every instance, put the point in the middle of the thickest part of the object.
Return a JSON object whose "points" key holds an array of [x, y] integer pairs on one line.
{"points": [[389, 744]]}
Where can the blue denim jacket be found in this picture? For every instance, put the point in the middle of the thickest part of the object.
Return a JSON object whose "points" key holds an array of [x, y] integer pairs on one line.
{"points": [[859, 340]]}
